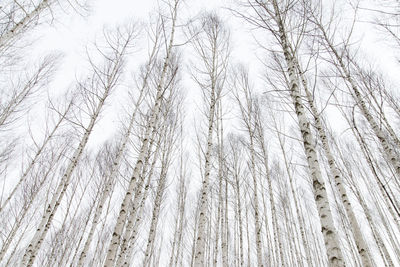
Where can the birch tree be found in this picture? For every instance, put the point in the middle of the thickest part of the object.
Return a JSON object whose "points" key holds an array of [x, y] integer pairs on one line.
{"points": [[335, 173], [211, 45], [25, 200], [144, 148], [111, 174], [248, 110], [143, 187], [19, 17], [307, 144], [169, 133], [236, 169], [94, 91], [180, 220], [343, 63], [35, 174], [49, 135], [274, 17]]}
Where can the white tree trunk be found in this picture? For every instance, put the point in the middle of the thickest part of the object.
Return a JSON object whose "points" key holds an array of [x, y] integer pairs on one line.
{"points": [[137, 207], [180, 217], [16, 229], [378, 239], [390, 154], [114, 171], [42, 229], [115, 240], [7, 37], [200, 241], [334, 253], [335, 173], [296, 202], [156, 210], [50, 211], [215, 42], [277, 238], [36, 157]]}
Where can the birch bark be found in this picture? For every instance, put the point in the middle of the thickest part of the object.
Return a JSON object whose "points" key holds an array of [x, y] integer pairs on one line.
{"points": [[235, 170], [179, 222], [24, 22], [270, 16], [166, 158], [335, 257], [136, 208], [247, 113], [213, 52], [36, 156], [28, 204], [335, 173], [119, 226], [390, 154], [116, 163], [111, 77], [295, 198]]}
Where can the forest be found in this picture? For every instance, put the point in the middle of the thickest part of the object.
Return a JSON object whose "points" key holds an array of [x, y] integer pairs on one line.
{"points": [[200, 133]]}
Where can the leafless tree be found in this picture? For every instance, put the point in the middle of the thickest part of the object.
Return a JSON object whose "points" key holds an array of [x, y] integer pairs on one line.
{"points": [[93, 92], [155, 110], [211, 45]]}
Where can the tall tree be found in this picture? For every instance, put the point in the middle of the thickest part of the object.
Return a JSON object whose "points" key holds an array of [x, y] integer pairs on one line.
{"points": [[277, 18], [150, 128], [94, 93], [211, 44]]}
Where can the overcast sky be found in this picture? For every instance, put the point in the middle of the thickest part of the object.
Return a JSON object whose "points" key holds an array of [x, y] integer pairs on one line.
{"points": [[72, 33]]}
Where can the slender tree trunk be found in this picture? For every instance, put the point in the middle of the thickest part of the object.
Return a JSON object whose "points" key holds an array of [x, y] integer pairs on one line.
{"points": [[335, 173], [42, 229], [137, 207], [200, 241], [5, 38], [249, 244], [166, 162], [334, 253], [218, 222], [264, 155], [16, 228], [296, 203], [119, 226], [257, 221], [359, 99], [236, 159], [377, 236], [387, 226], [180, 218], [114, 170], [212, 46]]}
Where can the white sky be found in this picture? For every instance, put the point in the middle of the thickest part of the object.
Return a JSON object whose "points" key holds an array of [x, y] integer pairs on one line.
{"points": [[71, 34]]}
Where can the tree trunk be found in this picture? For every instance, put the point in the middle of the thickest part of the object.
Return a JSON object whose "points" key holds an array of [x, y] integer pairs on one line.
{"points": [[335, 173], [119, 226]]}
